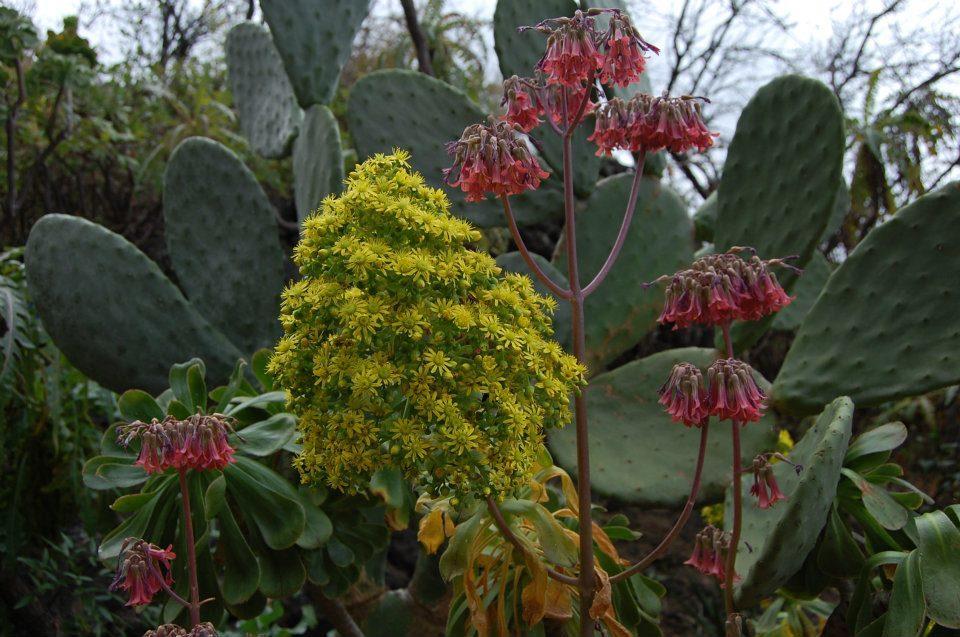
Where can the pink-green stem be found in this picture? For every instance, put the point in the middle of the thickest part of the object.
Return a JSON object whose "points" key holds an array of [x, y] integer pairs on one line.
{"points": [[194, 604], [624, 229], [733, 629], [674, 532], [525, 253]]}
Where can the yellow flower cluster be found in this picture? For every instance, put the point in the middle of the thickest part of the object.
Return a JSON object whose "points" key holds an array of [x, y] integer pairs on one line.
{"points": [[405, 348]]}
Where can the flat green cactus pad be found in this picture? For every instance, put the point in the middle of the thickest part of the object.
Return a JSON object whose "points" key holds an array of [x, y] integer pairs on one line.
{"points": [[776, 541], [705, 218], [314, 40], [405, 109], [317, 160], [620, 312], [513, 262], [262, 95], [222, 238], [518, 53], [780, 178], [637, 453], [806, 291], [885, 326], [111, 310]]}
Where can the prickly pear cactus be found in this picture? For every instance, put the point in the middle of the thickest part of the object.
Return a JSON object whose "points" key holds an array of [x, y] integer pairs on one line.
{"points": [[111, 310], [776, 541], [806, 291], [620, 312], [314, 40], [433, 113], [705, 218], [638, 454], [885, 325], [780, 178], [223, 241], [317, 161], [262, 95]]}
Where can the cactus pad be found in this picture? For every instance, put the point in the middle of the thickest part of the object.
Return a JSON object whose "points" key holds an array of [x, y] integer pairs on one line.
{"points": [[317, 160], [705, 218], [620, 311], [776, 541], [780, 178], [222, 238], [433, 114], [885, 325], [111, 310], [513, 262], [638, 454], [519, 52], [314, 40], [262, 95], [806, 291]]}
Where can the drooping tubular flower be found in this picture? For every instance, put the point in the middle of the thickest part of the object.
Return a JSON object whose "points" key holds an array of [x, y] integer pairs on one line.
{"points": [[142, 570], [553, 103], [710, 552], [674, 123], [733, 393], [719, 288], [572, 57], [685, 395], [204, 629], [523, 109], [492, 159], [611, 127], [765, 487], [198, 442], [623, 59]]}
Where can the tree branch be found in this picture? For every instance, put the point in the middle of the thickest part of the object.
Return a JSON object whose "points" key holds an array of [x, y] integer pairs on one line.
{"points": [[424, 62]]}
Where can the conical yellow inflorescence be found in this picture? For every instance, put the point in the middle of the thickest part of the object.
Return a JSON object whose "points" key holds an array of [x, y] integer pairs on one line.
{"points": [[404, 348]]}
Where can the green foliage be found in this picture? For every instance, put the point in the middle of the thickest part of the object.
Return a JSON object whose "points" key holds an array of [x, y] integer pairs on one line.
{"points": [[272, 535], [221, 234], [269, 115], [403, 348], [882, 328], [776, 540], [638, 454], [317, 161], [314, 42], [789, 140]]}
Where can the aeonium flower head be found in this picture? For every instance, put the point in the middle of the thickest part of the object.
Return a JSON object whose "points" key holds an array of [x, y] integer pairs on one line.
{"points": [[405, 348], [198, 442], [523, 109], [492, 159], [733, 392], [143, 569], [623, 59], [684, 395]]}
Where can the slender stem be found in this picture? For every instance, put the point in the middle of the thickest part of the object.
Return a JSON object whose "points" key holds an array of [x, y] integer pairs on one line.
{"points": [[172, 593], [527, 256], [337, 614], [661, 548], [731, 565], [13, 112], [580, 109], [194, 604], [624, 229], [508, 533], [424, 59]]}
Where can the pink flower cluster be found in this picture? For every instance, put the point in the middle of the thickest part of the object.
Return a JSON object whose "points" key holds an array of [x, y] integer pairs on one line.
{"points": [[199, 442], [577, 52], [527, 102], [728, 393], [143, 570], [647, 123], [765, 487], [492, 159], [710, 553], [720, 288]]}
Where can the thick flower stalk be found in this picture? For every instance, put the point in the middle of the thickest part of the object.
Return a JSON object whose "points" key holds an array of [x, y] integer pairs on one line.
{"points": [[143, 570], [198, 442], [493, 158], [405, 348]]}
